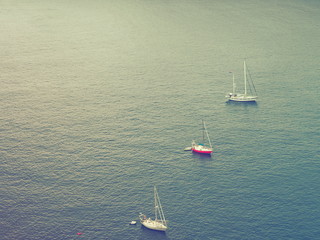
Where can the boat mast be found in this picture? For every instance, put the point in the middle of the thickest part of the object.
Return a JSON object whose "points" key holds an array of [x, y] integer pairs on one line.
{"points": [[155, 203], [158, 208], [245, 77], [203, 131], [161, 214], [233, 85], [204, 126]]}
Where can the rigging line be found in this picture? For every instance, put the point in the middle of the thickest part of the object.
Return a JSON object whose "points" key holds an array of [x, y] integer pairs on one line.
{"points": [[252, 81]]}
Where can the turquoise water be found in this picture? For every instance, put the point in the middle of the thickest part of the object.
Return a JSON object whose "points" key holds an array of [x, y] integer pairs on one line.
{"points": [[98, 99]]}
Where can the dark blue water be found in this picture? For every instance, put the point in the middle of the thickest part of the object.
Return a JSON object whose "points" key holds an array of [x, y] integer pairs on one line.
{"points": [[98, 99]]}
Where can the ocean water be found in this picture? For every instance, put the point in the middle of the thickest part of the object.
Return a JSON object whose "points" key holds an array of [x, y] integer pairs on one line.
{"points": [[98, 99]]}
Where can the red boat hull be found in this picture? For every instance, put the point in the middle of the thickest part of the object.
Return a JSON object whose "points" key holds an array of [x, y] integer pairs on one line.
{"points": [[201, 151]]}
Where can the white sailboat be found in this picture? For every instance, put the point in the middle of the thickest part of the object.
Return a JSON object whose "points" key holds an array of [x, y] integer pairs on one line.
{"points": [[238, 97], [201, 148], [159, 223]]}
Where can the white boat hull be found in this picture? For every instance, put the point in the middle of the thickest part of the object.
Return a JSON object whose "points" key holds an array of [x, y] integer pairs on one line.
{"points": [[154, 225], [242, 98], [188, 149]]}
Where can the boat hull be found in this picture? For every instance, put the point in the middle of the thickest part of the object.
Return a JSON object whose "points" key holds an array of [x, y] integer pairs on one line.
{"points": [[248, 101], [154, 225], [201, 149], [203, 152], [242, 98]]}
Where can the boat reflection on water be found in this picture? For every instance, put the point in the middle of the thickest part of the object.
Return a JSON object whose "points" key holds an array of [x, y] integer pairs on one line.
{"points": [[201, 155]]}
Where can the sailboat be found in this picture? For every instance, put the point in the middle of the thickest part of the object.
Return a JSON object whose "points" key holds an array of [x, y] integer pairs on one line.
{"points": [[236, 97], [201, 148], [159, 223]]}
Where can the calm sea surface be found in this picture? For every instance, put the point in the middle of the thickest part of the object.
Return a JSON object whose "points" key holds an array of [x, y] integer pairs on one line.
{"points": [[98, 99]]}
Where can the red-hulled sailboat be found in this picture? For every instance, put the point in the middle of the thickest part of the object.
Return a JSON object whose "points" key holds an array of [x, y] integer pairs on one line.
{"points": [[201, 148]]}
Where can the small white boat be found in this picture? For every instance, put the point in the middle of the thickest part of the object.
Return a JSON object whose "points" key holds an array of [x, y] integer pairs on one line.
{"points": [[133, 222], [159, 223], [188, 149], [239, 97]]}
